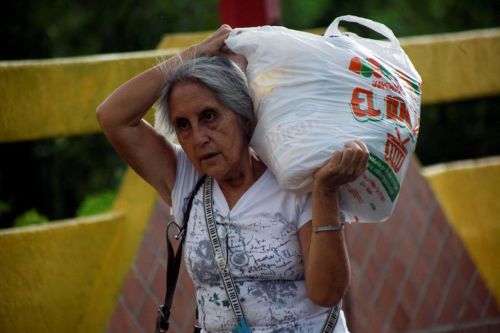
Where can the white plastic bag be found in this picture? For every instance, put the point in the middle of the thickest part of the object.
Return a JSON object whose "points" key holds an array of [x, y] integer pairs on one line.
{"points": [[312, 94]]}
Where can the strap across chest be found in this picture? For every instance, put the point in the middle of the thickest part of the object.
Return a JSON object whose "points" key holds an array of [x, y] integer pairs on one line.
{"points": [[225, 274]]}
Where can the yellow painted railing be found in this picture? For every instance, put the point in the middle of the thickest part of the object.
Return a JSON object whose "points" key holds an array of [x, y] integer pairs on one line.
{"points": [[65, 276], [469, 193]]}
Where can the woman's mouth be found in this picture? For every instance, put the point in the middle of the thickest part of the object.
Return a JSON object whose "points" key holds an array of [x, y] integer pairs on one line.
{"points": [[209, 157]]}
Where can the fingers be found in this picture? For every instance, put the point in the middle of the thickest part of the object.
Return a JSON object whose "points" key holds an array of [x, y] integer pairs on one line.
{"points": [[213, 44], [221, 34], [360, 157], [344, 166], [348, 165], [363, 164], [354, 159], [217, 38], [225, 27]]}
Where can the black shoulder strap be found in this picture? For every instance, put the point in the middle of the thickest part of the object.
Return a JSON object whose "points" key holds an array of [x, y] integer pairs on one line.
{"points": [[174, 263]]}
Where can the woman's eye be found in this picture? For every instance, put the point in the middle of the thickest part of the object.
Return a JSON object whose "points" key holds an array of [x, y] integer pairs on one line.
{"points": [[182, 124], [209, 115]]}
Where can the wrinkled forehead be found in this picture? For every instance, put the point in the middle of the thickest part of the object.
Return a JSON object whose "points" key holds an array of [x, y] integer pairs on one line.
{"points": [[187, 91], [188, 99], [192, 89]]}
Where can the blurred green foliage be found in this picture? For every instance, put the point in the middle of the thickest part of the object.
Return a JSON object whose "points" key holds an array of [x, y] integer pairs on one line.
{"points": [[96, 203], [57, 28], [56, 175], [4, 207], [30, 217], [72, 176], [457, 131], [405, 18]]}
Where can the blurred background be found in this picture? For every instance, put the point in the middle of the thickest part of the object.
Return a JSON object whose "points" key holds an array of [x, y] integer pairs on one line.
{"points": [[76, 176]]}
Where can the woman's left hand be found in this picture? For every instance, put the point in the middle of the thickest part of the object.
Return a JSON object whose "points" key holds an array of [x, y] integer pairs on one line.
{"points": [[343, 167]]}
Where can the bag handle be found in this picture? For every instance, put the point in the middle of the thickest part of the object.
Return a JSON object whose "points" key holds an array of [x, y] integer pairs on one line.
{"points": [[333, 29]]}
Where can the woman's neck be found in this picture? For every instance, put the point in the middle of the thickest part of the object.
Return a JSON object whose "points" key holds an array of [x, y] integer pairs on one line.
{"points": [[234, 187]]}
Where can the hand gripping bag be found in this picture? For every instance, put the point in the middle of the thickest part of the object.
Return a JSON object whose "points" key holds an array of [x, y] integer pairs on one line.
{"points": [[313, 93]]}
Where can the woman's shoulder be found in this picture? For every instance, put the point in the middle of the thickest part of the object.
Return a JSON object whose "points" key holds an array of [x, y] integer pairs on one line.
{"points": [[185, 179]]}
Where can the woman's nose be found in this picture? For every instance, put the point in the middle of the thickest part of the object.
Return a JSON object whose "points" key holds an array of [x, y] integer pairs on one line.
{"points": [[200, 135]]}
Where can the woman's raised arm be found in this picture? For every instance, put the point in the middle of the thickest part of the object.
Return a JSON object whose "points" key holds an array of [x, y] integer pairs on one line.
{"points": [[121, 118], [324, 251]]}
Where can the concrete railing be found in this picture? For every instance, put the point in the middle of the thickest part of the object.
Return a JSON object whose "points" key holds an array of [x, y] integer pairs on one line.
{"points": [[65, 276]]}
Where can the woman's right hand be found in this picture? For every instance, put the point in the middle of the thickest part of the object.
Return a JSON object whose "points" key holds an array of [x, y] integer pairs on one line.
{"points": [[211, 46], [121, 118], [214, 46]]}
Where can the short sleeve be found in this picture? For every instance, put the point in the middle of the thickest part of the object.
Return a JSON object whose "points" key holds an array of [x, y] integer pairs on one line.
{"points": [[185, 180], [304, 208]]}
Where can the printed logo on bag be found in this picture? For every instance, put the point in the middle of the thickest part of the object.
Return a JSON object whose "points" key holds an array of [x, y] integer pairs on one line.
{"points": [[364, 109], [372, 68], [396, 110], [366, 105], [372, 188], [395, 150]]}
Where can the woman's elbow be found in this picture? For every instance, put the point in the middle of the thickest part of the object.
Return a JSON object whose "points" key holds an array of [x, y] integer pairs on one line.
{"points": [[102, 116], [327, 299], [330, 294]]}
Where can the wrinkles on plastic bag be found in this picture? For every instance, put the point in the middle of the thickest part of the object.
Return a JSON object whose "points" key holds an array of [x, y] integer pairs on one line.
{"points": [[313, 94]]}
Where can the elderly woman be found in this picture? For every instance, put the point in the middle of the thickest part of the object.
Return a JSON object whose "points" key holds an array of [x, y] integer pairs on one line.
{"points": [[285, 251]]}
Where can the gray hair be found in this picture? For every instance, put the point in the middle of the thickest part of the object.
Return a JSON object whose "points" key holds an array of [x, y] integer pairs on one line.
{"points": [[224, 78]]}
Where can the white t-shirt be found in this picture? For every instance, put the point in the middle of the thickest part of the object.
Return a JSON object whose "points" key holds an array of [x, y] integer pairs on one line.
{"points": [[264, 255]]}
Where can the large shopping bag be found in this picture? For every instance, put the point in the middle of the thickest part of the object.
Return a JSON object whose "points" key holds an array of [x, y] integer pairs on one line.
{"points": [[314, 93]]}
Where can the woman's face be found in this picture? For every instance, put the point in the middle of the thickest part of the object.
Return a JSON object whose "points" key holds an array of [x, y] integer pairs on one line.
{"points": [[209, 132]]}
